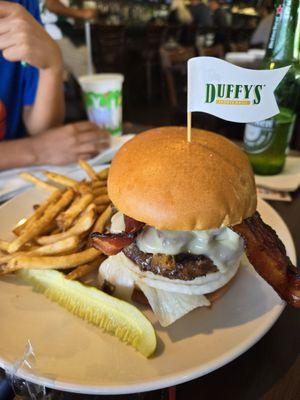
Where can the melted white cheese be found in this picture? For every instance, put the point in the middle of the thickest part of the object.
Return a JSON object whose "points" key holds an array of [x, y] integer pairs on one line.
{"points": [[223, 246], [117, 223]]}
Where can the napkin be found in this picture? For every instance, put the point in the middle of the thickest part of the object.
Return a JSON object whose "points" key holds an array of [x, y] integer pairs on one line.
{"points": [[287, 181], [11, 184]]}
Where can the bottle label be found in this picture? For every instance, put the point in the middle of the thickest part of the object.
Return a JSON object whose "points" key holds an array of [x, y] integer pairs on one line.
{"points": [[259, 136], [282, 21], [277, 20]]}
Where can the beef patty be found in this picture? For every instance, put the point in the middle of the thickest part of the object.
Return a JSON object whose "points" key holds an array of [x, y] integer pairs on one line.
{"points": [[184, 266]]}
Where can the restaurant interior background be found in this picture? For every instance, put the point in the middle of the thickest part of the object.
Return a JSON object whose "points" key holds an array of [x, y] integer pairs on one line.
{"points": [[147, 43], [144, 41]]}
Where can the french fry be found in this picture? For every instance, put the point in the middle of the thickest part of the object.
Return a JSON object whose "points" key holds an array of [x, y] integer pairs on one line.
{"points": [[4, 269], [82, 225], [99, 191], [4, 244], [57, 230], [102, 221], [102, 199], [38, 182], [65, 219], [4, 259], [62, 246], [98, 184], [61, 217], [65, 224], [100, 209], [88, 169], [48, 262], [61, 179], [85, 269], [103, 174], [83, 188], [17, 230], [40, 225], [50, 229]]}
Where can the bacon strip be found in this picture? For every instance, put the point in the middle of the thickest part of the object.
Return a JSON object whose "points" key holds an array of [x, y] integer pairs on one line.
{"points": [[267, 254], [132, 225], [112, 243]]}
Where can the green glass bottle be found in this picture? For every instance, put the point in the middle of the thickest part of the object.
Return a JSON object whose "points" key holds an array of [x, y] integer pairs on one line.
{"points": [[266, 142]]}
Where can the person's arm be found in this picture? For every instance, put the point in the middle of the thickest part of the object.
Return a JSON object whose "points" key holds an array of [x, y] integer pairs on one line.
{"points": [[16, 153], [58, 146], [59, 8], [22, 38], [48, 110]]}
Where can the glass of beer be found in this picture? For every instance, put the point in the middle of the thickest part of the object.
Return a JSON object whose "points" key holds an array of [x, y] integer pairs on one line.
{"points": [[267, 142]]}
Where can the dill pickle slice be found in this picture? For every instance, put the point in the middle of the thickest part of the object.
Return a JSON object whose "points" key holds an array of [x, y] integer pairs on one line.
{"points": [[114, 316]]}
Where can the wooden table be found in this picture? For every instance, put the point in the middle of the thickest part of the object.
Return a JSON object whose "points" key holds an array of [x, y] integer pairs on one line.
{"points": [[270, 370]]}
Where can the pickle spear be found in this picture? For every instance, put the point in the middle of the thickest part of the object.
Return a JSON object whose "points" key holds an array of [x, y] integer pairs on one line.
{"points": [[115, 316]]}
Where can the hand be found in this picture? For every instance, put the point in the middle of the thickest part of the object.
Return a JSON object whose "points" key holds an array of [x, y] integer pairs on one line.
{"points": [[69, 143], [88, 13], [22, 38]]}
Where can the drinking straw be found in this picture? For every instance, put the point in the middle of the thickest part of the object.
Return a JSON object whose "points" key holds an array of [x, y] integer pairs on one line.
{"points": [[87, 26]]}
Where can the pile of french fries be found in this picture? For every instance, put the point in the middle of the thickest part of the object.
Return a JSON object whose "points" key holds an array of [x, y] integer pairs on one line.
{"points": [[56, 235]]}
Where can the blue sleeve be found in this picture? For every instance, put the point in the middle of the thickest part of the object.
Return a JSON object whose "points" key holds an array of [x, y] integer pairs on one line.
{"points": [[31, 74], [32, 6], [31, 80]]}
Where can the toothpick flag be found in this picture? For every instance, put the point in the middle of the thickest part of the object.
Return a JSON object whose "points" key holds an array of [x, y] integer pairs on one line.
{"points": [[231, 92]]}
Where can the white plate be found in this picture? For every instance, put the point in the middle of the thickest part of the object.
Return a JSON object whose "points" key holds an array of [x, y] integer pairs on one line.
{"points": [[74, 356]]}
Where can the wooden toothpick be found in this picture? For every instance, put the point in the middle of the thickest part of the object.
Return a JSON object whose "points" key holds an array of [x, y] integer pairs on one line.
{"points": [[189, 127]]}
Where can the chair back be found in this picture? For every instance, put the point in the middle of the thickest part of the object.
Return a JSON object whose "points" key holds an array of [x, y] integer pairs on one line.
{"points": [[205, 43], [155, 35], [174, 65], [108, 47]]}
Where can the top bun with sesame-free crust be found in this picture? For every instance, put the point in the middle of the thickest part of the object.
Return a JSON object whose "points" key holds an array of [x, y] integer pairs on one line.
{"points": [[164, 181]]}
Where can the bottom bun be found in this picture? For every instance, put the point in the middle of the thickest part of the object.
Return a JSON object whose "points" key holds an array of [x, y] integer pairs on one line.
{"points": [[139, 297], [213, 296]]}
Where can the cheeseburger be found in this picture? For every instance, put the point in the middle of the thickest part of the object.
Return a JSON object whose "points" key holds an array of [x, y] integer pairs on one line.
{"points": [[185, 214]]}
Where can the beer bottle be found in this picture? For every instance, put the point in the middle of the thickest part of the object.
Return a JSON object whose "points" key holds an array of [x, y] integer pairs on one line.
{"points": [[266, 142]]}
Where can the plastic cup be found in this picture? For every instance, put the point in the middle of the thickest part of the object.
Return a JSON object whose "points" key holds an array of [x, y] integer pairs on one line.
{"points": [[103, 100]]}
